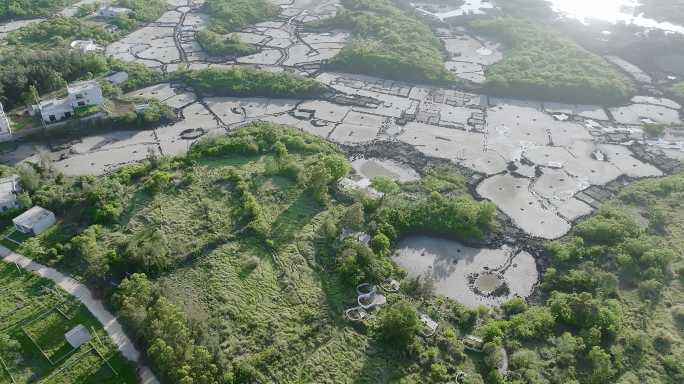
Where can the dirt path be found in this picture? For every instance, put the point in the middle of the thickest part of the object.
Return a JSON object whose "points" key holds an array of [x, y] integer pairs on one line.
{"points": [[83, 294]]}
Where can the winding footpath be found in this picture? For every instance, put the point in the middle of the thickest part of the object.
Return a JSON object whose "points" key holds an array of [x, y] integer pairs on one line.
{"points": [[85, 296]]}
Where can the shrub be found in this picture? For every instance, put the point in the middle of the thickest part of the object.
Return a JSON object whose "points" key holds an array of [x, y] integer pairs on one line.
{"points": [[388, 43], [543, 64], [236, 14], [649, 290], [514, 306], [218, 45], [397, 325], [535, 323], [250, 82]]}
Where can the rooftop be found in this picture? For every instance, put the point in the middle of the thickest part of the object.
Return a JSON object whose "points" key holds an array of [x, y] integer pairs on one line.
{"points": [[9, 184], [34, 215], [53, 103], [81, 86], [78, 336]]}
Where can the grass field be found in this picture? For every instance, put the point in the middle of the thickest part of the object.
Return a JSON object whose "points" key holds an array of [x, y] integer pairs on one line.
{"points": [[34, 315]]}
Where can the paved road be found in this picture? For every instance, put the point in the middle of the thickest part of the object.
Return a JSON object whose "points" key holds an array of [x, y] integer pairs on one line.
{"points": [[85, 296]]}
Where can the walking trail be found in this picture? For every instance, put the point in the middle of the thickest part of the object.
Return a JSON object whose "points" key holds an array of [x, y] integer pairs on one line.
{"points": [[85, 296]]}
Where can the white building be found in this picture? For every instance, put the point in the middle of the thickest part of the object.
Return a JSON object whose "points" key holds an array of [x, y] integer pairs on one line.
{"points": [[55, 110], [34, 221], [5, 128], [86, 46], [9, 188], [80, 94], [109, 12]]}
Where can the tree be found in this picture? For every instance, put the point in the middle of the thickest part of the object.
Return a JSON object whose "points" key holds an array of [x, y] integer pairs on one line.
{"points": [[601, 366], [397, 325], [158, 181], [87, 248], [132, 299], [328, 169], [353, 217], [28, 177], [421, 286], [9, 347], [24, 200], [535, 323], [385, 185], [514, 306], [567, 347], [380, 244], [149, 252]]}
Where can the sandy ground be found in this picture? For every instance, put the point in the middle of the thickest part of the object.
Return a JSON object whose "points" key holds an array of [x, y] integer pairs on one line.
{"points": [[85, 296]]}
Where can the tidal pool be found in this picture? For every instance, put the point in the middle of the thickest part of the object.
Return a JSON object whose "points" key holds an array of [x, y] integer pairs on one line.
{"points": [[456, 269], [371, 168]]}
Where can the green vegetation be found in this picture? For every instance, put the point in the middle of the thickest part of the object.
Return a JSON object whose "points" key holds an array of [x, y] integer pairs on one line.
{"points": [[654, 130], [234, 267], [250, 82], [232, 15], [388, 43], [12, 9], [611, 285], [677, 91], [144, 11], [34, 315], [237, 241], [50, 70], [542, 64], [437, 204], [125, 117], [218, 45], [58, 32]]}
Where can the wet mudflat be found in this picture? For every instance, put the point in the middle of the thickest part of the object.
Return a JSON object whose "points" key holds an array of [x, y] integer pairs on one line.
{"points": [[372, 168], [457, 269]]}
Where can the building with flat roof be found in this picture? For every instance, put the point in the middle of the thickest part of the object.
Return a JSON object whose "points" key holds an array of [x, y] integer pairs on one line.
{"points": [[86, 46], [109, 12], [9, 188], [5, 128], [34, 221], [79, 94]]}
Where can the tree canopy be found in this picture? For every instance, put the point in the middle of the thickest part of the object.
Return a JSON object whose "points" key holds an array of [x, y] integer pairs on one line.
{"points": [[388, 43], [250, 82], [542, 64]]}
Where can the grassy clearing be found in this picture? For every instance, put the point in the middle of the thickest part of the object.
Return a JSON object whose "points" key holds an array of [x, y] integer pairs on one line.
{"points": [[34, 315]]}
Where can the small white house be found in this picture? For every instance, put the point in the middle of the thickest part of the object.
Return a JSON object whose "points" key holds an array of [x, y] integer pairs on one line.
{"points": [[34, 221], [55, 110], [9, 188], [5, 128], [109, 12], [80, 94], [78, 336], [86, 46], [84, 93]]}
